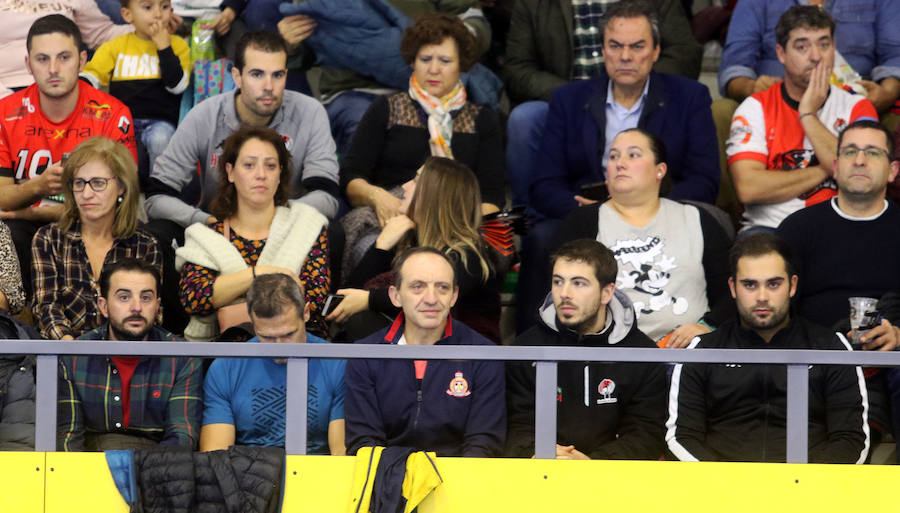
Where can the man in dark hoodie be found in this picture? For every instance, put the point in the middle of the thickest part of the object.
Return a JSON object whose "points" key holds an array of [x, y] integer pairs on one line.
{"points": [[605, 410]]}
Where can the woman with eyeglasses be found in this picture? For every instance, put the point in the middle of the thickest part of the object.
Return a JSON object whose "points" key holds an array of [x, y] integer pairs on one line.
{"points": [[99, 226]]}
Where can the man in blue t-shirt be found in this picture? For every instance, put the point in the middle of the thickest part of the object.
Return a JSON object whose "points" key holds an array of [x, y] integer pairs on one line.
{"points": [[245, 397]]}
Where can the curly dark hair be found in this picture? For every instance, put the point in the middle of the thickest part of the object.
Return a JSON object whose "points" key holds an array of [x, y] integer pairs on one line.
{"points": [[225, 204], [433, 28]]}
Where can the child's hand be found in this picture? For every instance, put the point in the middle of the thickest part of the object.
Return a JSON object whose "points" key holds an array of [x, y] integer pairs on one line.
{"points": [[160, 35]]}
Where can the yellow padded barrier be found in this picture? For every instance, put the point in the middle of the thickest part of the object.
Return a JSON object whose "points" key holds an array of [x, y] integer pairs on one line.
{"points": [[82, 483], [22, 482], [321, 484]]}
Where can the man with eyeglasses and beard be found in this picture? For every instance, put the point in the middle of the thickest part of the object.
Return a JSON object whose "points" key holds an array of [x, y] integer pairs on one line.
{"points": [[128, 402], [849, 246], [738, 412]]}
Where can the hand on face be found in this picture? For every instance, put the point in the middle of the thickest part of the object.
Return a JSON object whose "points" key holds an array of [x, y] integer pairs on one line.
{"points": [[817, 90], [394, 229], [159, 34]]}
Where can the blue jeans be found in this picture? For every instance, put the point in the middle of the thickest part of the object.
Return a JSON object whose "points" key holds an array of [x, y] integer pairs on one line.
{"points": [[153, 135], [344, 113], [524, 131]]}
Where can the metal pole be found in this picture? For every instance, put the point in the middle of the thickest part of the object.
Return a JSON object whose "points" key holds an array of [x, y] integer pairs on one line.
{"points": [[295, 409], [797, 413], [45, 404], [545, 411]]}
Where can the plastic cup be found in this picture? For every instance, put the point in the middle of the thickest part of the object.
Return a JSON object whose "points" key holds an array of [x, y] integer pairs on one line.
{"points": [[863, 316]]}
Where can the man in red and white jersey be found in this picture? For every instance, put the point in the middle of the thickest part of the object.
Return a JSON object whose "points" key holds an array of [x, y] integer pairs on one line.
{"points": [[41, 124], [783, 140]]}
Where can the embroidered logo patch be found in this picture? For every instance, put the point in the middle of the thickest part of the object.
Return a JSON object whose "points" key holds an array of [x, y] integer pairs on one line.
{"points": [[156, 394], [459, 387], [606, 389]]}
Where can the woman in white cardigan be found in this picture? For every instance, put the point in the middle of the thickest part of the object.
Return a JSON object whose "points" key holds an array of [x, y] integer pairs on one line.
{"points": [[255, 230]]}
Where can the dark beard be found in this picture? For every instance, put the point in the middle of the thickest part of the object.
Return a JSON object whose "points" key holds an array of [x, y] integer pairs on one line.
{"points": [[127, 336]]}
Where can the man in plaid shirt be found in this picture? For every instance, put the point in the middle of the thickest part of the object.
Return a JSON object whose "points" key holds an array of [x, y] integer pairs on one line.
{"points": [[123, 402]]}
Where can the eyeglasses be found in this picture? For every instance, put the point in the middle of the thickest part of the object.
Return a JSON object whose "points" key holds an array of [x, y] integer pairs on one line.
{"points": [[871, 152], [97, 184]]}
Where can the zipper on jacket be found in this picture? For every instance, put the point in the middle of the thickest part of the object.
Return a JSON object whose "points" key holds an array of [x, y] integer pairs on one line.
{"points": [[418, 404]]}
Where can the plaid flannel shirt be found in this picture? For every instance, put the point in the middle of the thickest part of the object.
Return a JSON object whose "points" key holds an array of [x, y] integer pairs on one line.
{"points": [[65, 291], [165, 405]]}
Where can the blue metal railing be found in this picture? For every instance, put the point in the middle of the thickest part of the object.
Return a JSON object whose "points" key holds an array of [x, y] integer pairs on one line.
{"points": [[797, 362]]}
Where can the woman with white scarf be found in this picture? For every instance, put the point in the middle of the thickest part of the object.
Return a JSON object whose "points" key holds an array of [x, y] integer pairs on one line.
{"points": [[256, 230], [433, 117]]}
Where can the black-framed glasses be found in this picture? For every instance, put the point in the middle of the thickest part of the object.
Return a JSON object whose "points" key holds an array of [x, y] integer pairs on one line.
{"points": [[870, 152], [97, 184]]}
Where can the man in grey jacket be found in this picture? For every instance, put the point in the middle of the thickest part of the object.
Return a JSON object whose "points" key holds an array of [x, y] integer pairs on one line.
{"points": [[260, 99]]}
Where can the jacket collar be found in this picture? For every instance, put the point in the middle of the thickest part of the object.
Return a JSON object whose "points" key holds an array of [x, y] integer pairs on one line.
{"points": [[620, 321], [782, 338]]}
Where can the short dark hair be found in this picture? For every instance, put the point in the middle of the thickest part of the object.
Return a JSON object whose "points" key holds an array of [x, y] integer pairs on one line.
{"points": [[53, 24], [632, 9], [801, 16], [128, 265], [871, 124], [224, 205], [432, 28], [760, 244], [401, 259], [592, 253], [268, 41], [271, 294]]}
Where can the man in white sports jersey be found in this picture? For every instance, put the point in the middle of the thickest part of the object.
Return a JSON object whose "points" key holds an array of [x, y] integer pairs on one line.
{"points": [[783, 140]]}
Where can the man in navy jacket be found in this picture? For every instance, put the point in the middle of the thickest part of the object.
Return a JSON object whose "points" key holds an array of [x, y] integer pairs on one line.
{"points": [[585, 116], [455, 408], [573, 150]]}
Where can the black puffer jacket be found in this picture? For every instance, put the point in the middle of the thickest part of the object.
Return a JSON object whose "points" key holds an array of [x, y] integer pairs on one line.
{"points": [[16, 389], [240, 480], [17, 403]]}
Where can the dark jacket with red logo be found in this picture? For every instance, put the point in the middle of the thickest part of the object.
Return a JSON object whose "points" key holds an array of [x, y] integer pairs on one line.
{"points": [[606, 410], [456, 410]]}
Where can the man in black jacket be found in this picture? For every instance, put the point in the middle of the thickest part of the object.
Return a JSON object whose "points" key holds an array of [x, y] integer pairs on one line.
{"points": [[735, 412], [605, 410]]}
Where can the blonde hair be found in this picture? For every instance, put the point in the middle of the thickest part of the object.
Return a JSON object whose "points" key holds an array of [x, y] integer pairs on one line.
{"points": [[121, 164], [446, 208]]}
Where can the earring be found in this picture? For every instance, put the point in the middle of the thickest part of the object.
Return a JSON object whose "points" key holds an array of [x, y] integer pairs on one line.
{"points": [[659, 175], [119, 199]]}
